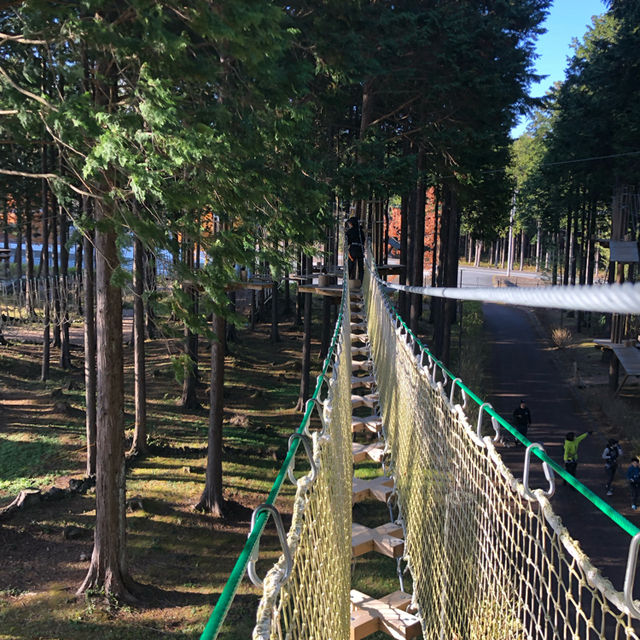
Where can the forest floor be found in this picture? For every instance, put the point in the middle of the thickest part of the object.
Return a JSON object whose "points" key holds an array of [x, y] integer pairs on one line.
{"points": [[183, 557]]}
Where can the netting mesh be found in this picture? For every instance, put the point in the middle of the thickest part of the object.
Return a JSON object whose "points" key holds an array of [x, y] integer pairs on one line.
{"points": [[487, 560], [314, 602]]}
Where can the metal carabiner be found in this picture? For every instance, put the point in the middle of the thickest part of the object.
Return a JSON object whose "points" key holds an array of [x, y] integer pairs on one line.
{"points": [[307, 447], [251, 568], [548, 472]]}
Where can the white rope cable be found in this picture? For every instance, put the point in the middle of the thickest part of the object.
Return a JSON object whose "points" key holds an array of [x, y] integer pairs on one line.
{"points": [[606, 298]]}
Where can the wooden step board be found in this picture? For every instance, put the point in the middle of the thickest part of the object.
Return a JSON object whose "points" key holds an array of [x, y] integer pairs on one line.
{"points": [[358, 325], [372, 424], [387, 614], [385, 539], [372, 451], [360, 337], [360, 351], [379, 488], [361, 365], [368, 400], [362, 381]]}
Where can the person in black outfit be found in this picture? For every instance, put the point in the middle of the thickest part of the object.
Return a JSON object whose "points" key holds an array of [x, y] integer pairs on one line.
{"points": [[610, 456], [522, 418], [355, 244]]}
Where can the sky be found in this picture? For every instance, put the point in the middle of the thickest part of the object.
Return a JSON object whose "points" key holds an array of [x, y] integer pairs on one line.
{"points": [[567, 19]]}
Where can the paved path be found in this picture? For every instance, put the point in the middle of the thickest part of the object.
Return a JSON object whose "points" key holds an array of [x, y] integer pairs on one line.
{"points": [[522, 367]]}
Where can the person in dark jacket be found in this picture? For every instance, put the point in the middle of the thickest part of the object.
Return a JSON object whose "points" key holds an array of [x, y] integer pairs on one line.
{"points": [[610, 456], [633, 476], [522, 418], [355, 249]]}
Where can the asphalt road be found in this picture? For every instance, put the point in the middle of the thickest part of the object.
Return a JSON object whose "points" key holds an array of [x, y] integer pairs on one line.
{"points": [[522, 368]]}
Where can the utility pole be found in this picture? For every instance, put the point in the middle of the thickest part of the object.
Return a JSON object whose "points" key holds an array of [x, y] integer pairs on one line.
{"points": [[510, 246]]}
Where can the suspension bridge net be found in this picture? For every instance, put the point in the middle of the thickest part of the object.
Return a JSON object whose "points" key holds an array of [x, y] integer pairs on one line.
{"points": [[488, 557], [314, 602]]}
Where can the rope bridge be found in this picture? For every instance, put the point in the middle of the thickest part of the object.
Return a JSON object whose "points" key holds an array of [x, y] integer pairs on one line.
{"points": [[489, 558]]}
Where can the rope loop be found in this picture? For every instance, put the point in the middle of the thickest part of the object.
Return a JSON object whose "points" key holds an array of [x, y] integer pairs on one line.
{"points": [[548, 472], [251, 568], [307, 447]]}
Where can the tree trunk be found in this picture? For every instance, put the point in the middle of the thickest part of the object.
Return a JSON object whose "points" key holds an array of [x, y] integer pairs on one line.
{"points": [[55, 280], [90, 374], [403, 298], [30, 282], [5, 234], [306, 348], [522, 249], [139, 444], [211, 499], [65, 351], [417, 277], [44, 268], [151, 286], [189, 399], [108, 569], [275, 334]]}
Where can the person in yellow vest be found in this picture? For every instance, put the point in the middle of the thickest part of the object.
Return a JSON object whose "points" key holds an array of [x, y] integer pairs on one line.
{"points": [[571, 443]]}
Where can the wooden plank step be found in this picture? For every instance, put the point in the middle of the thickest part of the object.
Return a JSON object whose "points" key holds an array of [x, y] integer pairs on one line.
{"points": [[390, 619], [360, 351], [361, 365], [372, 451], [360, 337], [367, 400], [361, 424], [379, 488], [385, 539], [362, 381]]}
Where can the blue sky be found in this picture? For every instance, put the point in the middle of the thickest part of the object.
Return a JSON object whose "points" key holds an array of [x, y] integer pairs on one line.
{"points": [[567, 19]]}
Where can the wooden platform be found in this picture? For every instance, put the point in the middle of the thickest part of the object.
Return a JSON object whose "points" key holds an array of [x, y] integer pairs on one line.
{"points": [[629, 358], [367, 400], [387, 614], [390, 269], [332, 291], [254, 285], [371, 451], [385, 539], [379, 488], [362, 381], [372, 424]]}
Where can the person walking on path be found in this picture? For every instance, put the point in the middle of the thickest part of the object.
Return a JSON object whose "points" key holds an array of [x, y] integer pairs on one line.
{"points": [[571, 443], [522, 418], [355, 249], [633, 476], [610, 456]]}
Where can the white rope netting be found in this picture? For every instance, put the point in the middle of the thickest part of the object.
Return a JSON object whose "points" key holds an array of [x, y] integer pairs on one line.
{"points": [[314, 602], [488, 558]]}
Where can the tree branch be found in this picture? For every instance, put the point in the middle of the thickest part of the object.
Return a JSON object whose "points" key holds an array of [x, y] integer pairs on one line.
{"points": [[5, 37], [24, 92]]}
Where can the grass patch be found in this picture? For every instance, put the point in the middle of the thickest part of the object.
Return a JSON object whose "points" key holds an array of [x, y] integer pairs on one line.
{"points": [[26, 461]]}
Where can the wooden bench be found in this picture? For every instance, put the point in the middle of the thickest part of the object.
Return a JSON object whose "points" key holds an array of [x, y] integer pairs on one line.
{"points": [[629, 358]]}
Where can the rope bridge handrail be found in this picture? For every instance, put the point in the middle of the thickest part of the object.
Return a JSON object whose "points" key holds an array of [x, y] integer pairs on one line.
{"points": [[606, 298], [221, 609], [488, 556]]}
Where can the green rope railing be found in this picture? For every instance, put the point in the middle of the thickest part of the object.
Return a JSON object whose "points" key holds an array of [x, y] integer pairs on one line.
{"points": [[598, 502], [221, 609]]}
